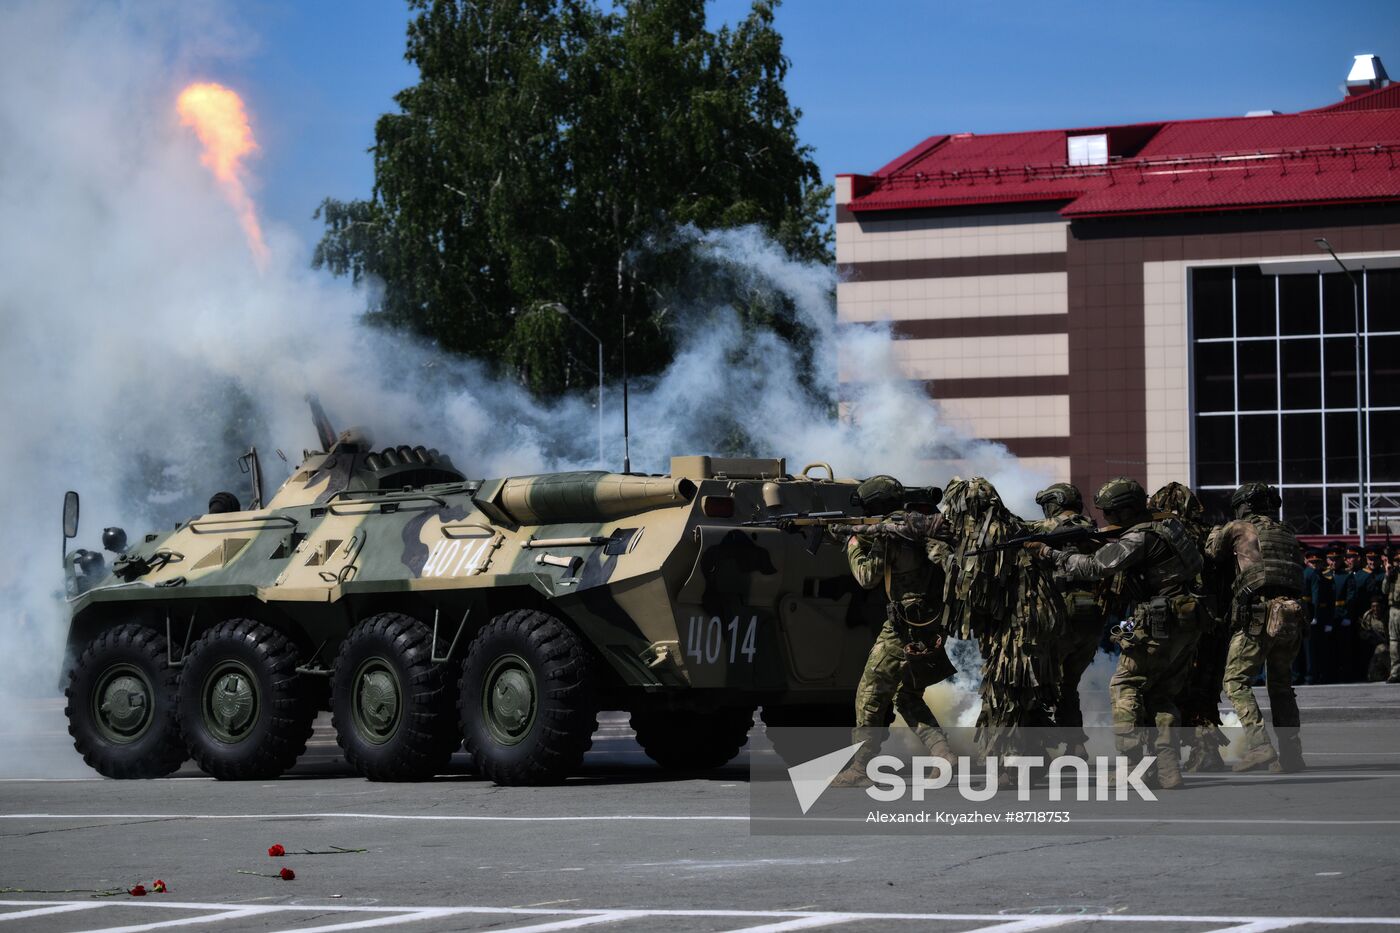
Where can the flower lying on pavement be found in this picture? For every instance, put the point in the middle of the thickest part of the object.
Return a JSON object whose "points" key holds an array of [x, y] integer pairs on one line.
{"points": [[158, 887], [287, 874], [138, 891], [276, 851]]}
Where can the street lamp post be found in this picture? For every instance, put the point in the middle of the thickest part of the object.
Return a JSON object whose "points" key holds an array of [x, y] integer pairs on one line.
{"points": [[1363, 467], [602, 462]]}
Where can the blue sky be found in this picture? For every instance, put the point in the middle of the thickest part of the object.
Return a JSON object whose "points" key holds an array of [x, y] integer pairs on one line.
{"points": [[872, 78]]}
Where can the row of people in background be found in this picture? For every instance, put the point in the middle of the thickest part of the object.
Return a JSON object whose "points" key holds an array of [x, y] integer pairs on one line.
{"points": [[1353, 598]]}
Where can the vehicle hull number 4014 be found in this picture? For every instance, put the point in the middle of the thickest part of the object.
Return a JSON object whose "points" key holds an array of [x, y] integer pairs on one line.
{"points": [[711, 639]]}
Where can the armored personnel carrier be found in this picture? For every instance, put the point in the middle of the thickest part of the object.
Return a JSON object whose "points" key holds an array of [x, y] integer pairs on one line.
{"points": [[425, 609]]}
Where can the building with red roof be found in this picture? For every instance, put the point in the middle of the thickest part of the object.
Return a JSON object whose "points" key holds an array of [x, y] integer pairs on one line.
{"points": [[1152, 299]]}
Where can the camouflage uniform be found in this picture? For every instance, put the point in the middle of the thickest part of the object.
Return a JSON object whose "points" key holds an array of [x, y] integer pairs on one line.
{"points": [[1199, 699], [895, 555], [1157, 563], [1392, 595], [1268, 579], [1008, 602], [1084, 613]]}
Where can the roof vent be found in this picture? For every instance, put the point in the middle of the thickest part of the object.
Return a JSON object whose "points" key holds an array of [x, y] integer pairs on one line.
{"points": [[1263, 113], [1367, 73]]}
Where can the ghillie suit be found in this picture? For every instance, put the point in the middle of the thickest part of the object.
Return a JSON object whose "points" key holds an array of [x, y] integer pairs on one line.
{"points": [[1199, 699], [1009, 604]]}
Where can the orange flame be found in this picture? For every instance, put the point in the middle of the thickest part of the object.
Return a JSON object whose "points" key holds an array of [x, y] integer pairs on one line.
{"points": [[218, 118]]}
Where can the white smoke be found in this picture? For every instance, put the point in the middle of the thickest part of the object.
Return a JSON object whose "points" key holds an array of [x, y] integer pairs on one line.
{"points": [[141, 349]]}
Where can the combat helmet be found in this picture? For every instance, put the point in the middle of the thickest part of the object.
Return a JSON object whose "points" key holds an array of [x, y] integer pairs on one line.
{"points": [[1178, 499], [1059, 497], [1121, 494], [1254, 499], [879, 494]]}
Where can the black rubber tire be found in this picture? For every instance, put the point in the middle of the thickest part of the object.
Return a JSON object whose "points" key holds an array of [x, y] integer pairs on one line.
{"points": [[793, 750], [687, 740], [565, 714], [283, 711], [158, 750], [420, 742]]}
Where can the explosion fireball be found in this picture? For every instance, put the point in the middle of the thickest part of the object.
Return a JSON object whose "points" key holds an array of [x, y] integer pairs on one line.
{"points": [[219, 119]]}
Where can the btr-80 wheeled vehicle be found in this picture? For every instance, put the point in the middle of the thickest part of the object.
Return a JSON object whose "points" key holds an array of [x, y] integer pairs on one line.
{"points": [[424, 609]]}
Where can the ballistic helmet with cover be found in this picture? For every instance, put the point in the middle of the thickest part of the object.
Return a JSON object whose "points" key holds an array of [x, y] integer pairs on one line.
{"points": [[1121, 494], [879, 494], [1254, 499], [1178, 499], [1058, 497]]}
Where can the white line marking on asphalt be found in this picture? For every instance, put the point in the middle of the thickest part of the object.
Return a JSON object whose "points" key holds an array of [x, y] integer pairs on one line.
{"points": [[44, 911], [1328, 874], [797, 923], [1035, 923], [236, 914], [383, 915], [391, 920]]}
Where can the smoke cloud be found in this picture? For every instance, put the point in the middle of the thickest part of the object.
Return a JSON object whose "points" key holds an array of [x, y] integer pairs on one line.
{"points": [[144, 349]]}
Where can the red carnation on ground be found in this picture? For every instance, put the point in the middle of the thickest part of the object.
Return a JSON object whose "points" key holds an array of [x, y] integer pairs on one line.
{"points": [[158, 887], [287, 874], [276, 851], [138, 891]]}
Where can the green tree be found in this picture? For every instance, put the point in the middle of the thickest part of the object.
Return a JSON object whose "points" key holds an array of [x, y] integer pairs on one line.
{"points": [[546, 156]]}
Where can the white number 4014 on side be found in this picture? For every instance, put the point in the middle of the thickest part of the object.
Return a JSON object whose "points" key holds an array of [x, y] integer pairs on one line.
{"points": [[707, 640]]}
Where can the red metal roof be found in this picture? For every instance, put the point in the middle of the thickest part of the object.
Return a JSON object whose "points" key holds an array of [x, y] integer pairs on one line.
{"points": [[1340, 154]]}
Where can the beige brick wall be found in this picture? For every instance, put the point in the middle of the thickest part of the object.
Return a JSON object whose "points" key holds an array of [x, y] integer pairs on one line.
{"points": [[954, 297]]}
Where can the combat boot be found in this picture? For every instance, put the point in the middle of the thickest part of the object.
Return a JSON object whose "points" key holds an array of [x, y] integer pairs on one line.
{"points": [[1290, 756], [1168, 768], [1261, 752], [853, 775], [1206, 758]]}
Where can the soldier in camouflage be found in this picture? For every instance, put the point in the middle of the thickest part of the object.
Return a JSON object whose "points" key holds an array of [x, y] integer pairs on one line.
{"points": [[1199, 699], [1266, 621], [1084, 614], [1156, 563], [908, 655]]}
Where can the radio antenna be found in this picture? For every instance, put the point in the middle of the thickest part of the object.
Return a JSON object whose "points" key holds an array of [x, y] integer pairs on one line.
{"points": [[626, 434]]}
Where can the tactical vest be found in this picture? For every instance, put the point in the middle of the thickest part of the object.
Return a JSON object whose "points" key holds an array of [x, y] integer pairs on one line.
{"points": [[1280, 571], [1084, 605], [1180, 567], [909, 576]]}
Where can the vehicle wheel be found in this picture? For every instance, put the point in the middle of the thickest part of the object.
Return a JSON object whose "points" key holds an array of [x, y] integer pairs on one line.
{"points": [[789, 746], [245, 712], [391, 705], [122, 701], [687, 740], [526, 699]]}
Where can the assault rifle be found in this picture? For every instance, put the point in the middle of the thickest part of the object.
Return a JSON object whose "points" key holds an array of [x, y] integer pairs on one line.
{"points": [[814, 525], [1064, 537]]}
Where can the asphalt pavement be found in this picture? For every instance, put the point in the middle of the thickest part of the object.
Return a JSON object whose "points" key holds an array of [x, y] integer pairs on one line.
{"points": [[622, 847]]}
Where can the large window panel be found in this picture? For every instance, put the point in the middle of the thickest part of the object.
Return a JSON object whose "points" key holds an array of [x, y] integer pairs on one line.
{"points": [[1297, 304], [1215, 377], [1215, 449], [1384, 455], [1339, 366], [1341, 447], [1302, 373], [1254, 303], [1339, 313], [1210, 301], [1258, 368], [1302, 508], [1385, 374], [1383, 299], [1302, 448], [1259, 448]]}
